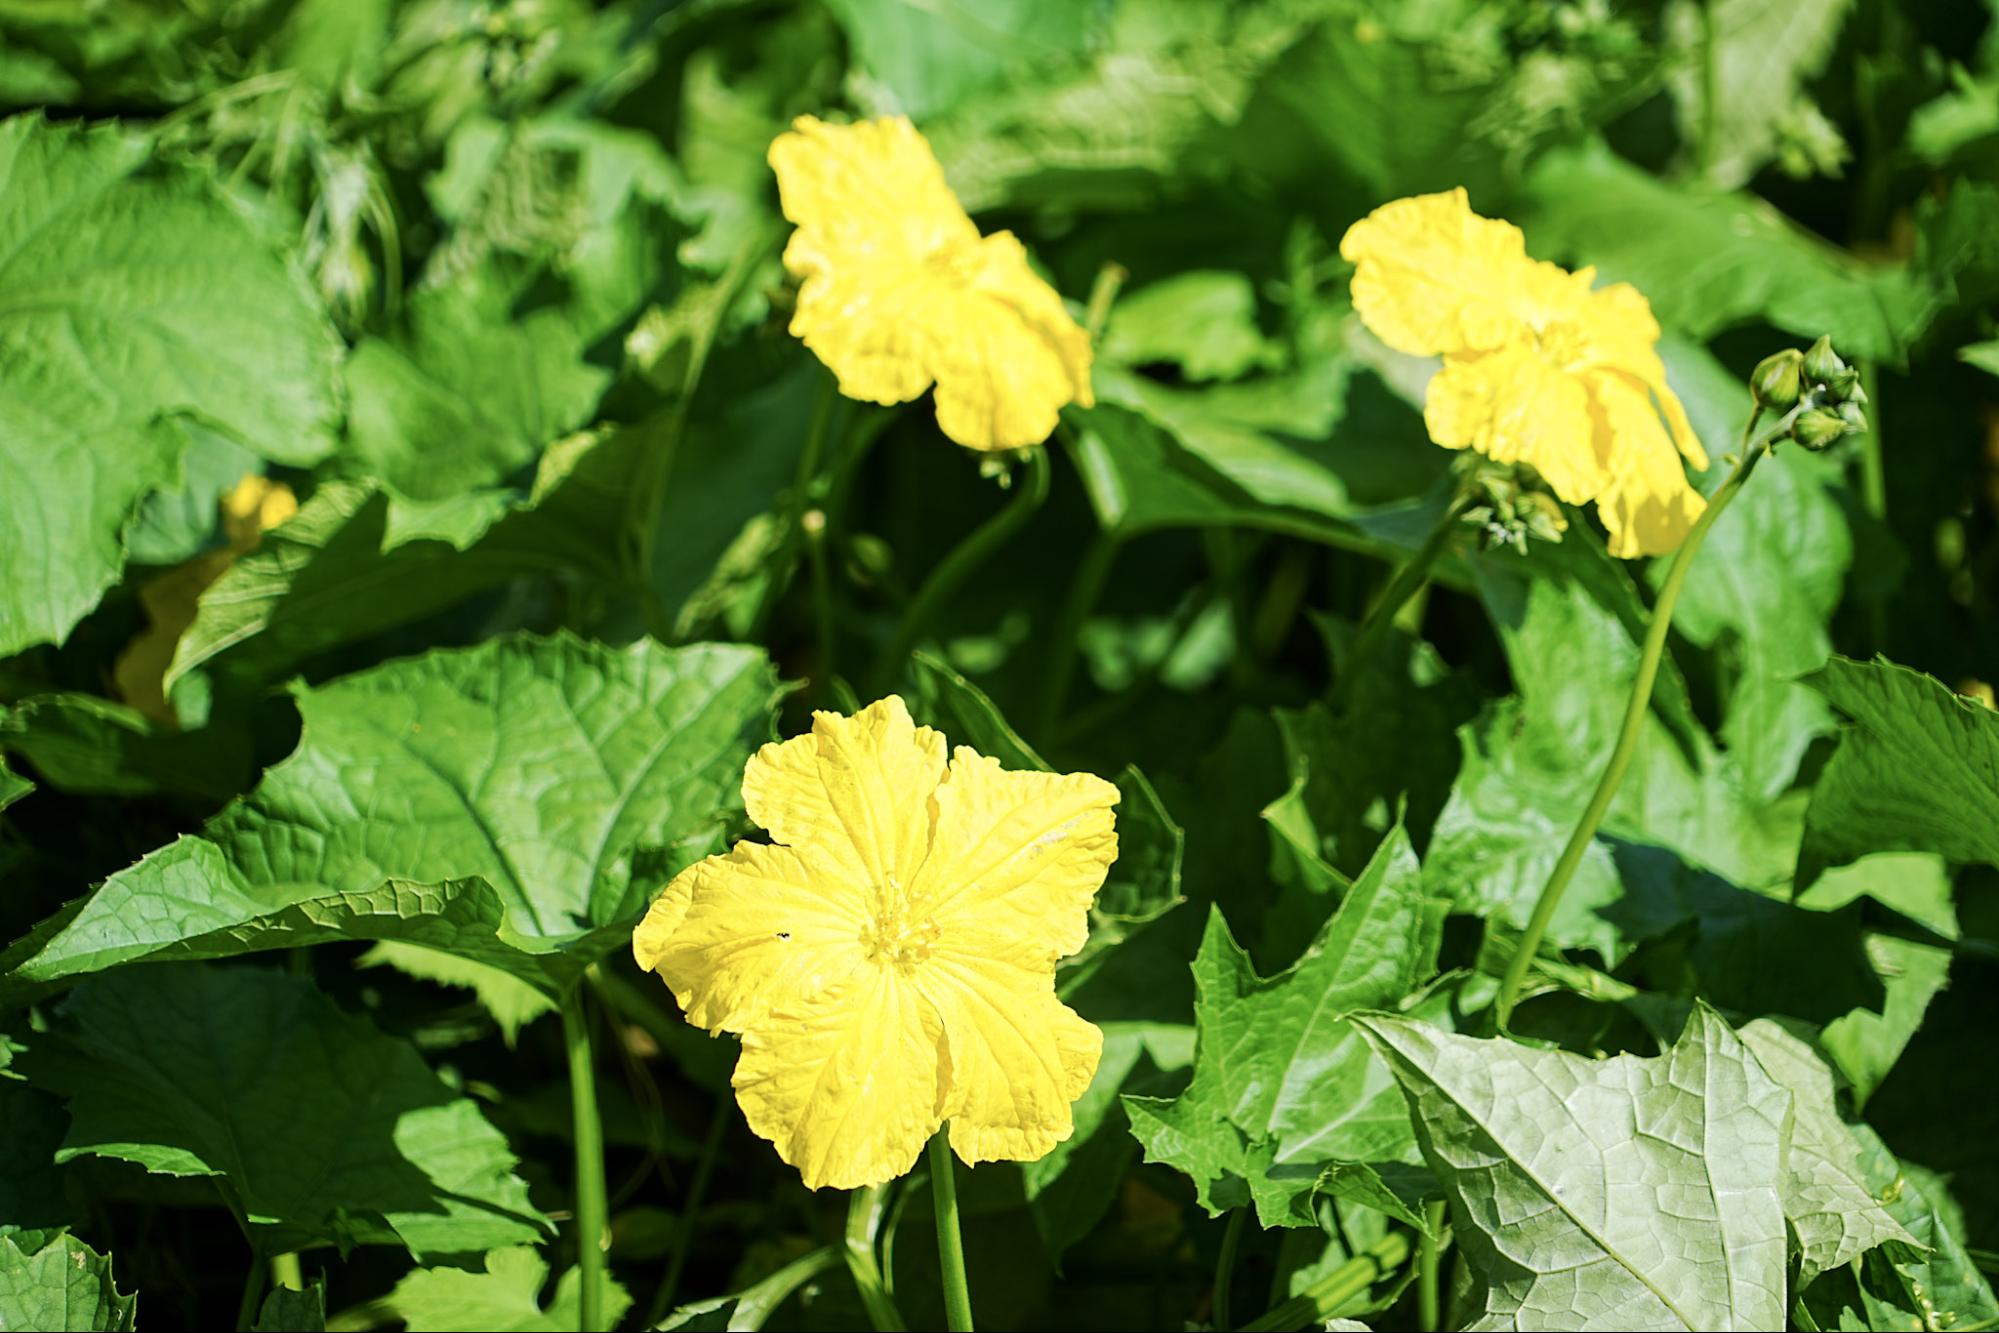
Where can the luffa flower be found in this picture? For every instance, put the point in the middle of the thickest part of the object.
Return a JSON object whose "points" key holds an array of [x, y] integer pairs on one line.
{"points": [[890, 961], [899, 291], [1539, 366]]}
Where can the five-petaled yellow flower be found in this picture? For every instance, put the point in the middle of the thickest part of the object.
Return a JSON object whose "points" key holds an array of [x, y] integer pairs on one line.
{"points": [[898, 290], [890, 961], [1538, 366]]}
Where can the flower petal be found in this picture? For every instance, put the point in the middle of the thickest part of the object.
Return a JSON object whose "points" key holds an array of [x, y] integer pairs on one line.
{"points": [[1433, 277], [759, 928], [1015, 861], [1007, 355], [1646, 504], [1511, 405], [1624, 336], [856, 790], [869, 193], [847, 1087], [1019, 1058]]}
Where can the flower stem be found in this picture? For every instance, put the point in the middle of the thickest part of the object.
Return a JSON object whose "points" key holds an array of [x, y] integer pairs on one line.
{"points": [[1086, 586], [1634, 720], [960, 564], [286, 1273], [1318, 1301], [690, 1210], [1429, 1248], [1413, 575], [1225, 1267], [253, 1291], [592, 1206], [864, 1217], [950, 1241]]}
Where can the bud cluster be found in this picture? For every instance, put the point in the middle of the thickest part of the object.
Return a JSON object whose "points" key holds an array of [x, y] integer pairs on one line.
{"points": [[1819, 391], [1513, 506]]}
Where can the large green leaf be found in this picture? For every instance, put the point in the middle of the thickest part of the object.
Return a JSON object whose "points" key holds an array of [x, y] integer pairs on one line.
{"points": [[928, 56], [134, 293], [1740, 69], [505, 1298], [1917, 770], [1709, 261], [81, 743], [322, 1128], [1286, 1098], [63, 1285], [542, 767], [1625, 1193]]}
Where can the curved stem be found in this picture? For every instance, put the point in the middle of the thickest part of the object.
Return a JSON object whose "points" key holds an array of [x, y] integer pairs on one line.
{"points": [[690, 1210], [1414, 574], [960, 564], [253, 1292], [864, 1218], [1318, 1301], [592, 1203], [1429, 1286], [1634, 720], [1085, 588], [950, 1242], [1225, 1267]]}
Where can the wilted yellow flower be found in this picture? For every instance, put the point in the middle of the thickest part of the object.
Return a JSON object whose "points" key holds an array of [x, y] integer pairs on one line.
{"points": [[890, 962], [1538, 367], [898, 290], [254, 505]]}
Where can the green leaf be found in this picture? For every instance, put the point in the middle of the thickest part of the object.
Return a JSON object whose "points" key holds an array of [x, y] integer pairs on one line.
{"points": [[1832, 1211], [1743, 64], [1629, 1193], [323, 1128], [289, 1311], [513, 1000], [1917, 770], [1284, 1089], [12, 785], [63, 1285], [543, 767], [753, 1306], [109, 261], [925, 57], [1203, 321], [81, 743], [505, 1298], [1708, 262]]}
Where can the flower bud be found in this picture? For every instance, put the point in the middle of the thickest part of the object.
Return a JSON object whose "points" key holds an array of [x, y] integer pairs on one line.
{"points": [[1777, 379], [1817, 428], [1845, 385], [1822, 363], [1855, 419]]}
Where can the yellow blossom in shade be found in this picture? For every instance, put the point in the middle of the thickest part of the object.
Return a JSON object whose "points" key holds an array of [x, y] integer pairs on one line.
{"points": [[253, 506], [889, 959], [1540, 366], [899, 291]]}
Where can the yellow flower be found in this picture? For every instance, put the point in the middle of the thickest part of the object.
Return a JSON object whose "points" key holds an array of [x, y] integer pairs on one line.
{"points": [[898, 290], [1538, 367], [253, 506], [890, 961]]}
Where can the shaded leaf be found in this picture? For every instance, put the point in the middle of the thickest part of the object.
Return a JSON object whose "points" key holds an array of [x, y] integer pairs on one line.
{"points": [[63, 1285], [505, 1298]]}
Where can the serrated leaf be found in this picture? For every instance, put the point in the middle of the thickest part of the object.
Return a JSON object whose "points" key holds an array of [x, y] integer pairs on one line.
{"points": [[1284, 1088], [323, 1128], [1203, 321], [288, 1311], [505, 1298], [1834, 1214], [1624, 1193], [539, 766], [1917, 770], [64, 1285], [107, 262]]}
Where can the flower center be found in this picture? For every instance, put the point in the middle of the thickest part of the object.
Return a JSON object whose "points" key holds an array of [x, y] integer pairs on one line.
{"points": [[897, 940], [1560, 341]]}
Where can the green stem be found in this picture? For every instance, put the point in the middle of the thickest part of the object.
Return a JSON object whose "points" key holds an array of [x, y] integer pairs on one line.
{"points": [[690, 1210], [865, 1210], [1319, 1301], [1030, 490], [1874, 487], [592, 1203], [1414, 574], [798, 503], [1225, 1267], [1102, 292], [1429, 1247], [285, 1271], [950, 1241], [1634, 719], [1085, 588], [253, 1291]]}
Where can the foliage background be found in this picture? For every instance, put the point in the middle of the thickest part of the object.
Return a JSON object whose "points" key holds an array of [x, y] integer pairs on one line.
{"points": [[493, 288]]}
